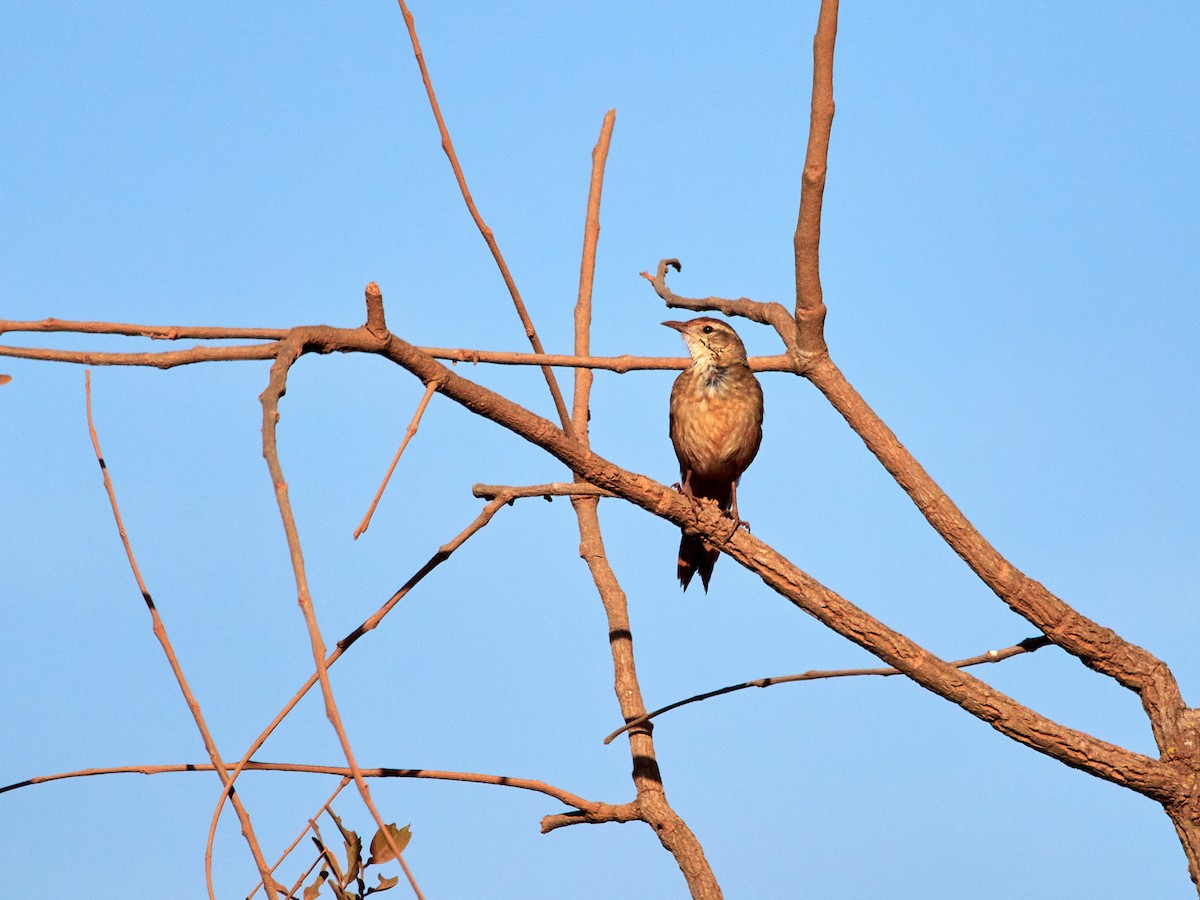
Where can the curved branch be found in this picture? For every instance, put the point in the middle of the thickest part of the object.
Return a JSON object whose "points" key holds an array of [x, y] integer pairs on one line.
{"points": [[1029, 645], [1097, 647], [525, 784]]}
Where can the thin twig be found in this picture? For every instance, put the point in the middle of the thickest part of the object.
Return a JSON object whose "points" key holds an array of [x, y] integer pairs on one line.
{"points": [[619, 364], [443, 553], [524, 784], [276, 387], [587, 275], [170, 358], [166, 360], [448, 146], [430, 389], [1029, 645], [509, 493], [155, 332], [160, 632], [292, 846]]}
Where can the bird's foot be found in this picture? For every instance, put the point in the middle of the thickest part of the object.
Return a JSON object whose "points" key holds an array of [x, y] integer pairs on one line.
{"points": [[737, 523]]}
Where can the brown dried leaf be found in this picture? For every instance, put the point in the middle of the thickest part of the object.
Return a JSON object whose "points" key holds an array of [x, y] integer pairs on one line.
{"points": [[313, 890], [385, 884], [380, 851]]}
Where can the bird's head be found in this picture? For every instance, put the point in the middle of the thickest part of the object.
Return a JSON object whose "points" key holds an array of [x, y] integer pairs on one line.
{"points": [[711, 342]]}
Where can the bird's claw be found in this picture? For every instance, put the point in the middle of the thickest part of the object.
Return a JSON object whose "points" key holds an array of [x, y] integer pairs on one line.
{"points": [[737, 523]]}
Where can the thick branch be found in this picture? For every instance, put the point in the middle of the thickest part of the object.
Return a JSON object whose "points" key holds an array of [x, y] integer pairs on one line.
{"points": [[1097, 647], [1002, 712]]}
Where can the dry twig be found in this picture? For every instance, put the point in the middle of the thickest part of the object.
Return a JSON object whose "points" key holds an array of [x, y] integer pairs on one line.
{"points": [[1029, 645], [293, 347], [164, 640], [408, 435]]}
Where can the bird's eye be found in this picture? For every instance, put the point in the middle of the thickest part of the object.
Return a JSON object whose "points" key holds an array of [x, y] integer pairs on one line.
{"points": [[707, 329]]}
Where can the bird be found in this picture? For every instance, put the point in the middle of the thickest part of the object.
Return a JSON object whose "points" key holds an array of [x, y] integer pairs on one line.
{"points": [[716, 428]]}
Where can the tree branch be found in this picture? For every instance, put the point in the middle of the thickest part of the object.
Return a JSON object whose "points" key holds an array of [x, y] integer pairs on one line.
{"points": [[524, 784], [650, 805], [443, 553], [164, 640], [1002, 712], [1097, 647], [488, 237], [1029, 645], [806, 243], [293, 347]]}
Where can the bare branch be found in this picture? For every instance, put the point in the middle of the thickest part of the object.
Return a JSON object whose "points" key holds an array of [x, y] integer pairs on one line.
{"points": [[292, 846], [587, 273], [164, 640], [443, 553], [293, 347], [524, 784], [1029, 645], [166, 360], [156, 332], [1002, 712], [488, 236], [651, 805], [769, 313], [810, 306], [408, 435], [507, 494], [1097, 647]]}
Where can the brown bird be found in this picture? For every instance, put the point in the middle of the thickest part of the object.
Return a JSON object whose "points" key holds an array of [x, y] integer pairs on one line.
{"points": [[716, 427]]}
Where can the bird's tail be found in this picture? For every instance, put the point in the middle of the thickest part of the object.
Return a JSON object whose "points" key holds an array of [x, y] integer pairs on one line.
{"points": [[696, 556]]}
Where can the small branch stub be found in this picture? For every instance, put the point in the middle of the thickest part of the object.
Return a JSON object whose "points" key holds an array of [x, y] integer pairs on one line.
{"points": [[376, 323]]}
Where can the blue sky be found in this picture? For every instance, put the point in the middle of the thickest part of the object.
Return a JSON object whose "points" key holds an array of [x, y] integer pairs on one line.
{"points": [[1010, 264]]}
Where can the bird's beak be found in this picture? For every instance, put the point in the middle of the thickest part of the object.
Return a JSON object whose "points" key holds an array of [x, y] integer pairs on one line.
{"points": [[678, 326]]}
